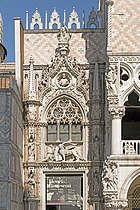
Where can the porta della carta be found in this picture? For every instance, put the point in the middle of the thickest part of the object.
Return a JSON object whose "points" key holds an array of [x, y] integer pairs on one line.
{"points": [[70, 111]]}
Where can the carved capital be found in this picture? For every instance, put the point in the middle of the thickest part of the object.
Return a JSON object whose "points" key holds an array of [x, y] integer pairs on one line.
{"points": [[109, 2], [117, 112], [113, 203]]}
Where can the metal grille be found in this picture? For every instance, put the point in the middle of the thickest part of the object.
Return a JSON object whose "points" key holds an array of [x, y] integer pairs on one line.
{"points": [[136, 199]]}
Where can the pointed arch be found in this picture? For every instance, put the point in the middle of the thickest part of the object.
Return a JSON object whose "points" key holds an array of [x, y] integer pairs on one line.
{"points": [[127, 183]]}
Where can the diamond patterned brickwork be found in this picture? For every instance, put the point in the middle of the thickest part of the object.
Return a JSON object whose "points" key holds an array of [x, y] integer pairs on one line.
{"points": [[84, 46], [126, 26]]}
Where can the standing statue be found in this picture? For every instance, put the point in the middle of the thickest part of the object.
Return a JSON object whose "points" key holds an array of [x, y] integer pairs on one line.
{"points": [[111, 78]]}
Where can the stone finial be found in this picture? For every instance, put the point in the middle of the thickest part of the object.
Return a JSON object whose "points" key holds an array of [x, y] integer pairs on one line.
{"points": [[83, 19], [73, 19], [92, 19], [54, 20], [64, 21], [36, 19], [109, 2], [46, 20], [27, 20]]}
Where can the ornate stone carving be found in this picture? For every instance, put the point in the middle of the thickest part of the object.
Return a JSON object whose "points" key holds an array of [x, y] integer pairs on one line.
{"points": [[111, 78], [117, 112], [54, 19], [73, 19], [31, 182], [63, 79], [36, 19], [109, 176], [63, 38], [113, 203], [31, 145], [66, 151], [64, 69]]}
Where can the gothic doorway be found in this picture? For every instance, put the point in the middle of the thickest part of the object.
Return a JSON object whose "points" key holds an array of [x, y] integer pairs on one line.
{"points": [[134, 195]]}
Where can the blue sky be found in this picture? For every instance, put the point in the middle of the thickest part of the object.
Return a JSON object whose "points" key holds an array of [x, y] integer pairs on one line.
{"points": [[17, 8]]}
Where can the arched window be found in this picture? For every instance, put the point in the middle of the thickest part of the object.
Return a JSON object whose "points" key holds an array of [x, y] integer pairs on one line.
{"points": [[64, 120], [131, 120]]}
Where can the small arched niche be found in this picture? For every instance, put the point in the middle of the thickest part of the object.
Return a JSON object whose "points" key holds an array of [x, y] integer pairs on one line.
{"points": [[131, 119], [133, 195]]}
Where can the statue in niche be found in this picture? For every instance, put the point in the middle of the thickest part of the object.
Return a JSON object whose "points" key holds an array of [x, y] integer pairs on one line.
{"points": [[63, 152], [96, 182], [111, 78], [31, 183], [96, 148], [31, 147]]}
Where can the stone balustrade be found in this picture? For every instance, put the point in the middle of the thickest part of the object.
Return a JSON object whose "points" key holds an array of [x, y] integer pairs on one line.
{"points": [[130, 147]]}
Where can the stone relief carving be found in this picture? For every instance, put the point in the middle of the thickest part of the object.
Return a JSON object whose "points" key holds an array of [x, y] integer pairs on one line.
{"points": [[117, 111], [110, 176], [111, 78], [65, 151], [114, 203], [63, 79], [31, 182]]}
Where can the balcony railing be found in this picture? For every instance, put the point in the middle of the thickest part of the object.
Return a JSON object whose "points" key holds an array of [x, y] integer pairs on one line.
{"points": [[130, 147]]}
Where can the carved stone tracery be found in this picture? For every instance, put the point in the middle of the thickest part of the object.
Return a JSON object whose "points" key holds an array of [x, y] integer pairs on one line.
{"points": [[64, 69]]}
